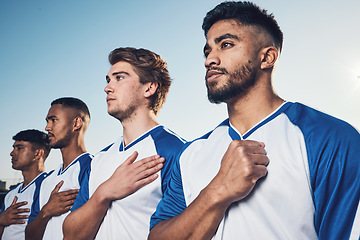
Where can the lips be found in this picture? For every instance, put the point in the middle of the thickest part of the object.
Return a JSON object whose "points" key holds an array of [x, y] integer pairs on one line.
{"points": [[212, 74], [108, 99]]}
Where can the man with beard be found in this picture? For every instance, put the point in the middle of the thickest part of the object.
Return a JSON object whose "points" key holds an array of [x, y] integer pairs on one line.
{"points": [[30, 149], [67, 121], [311, 189], [121, 194]]}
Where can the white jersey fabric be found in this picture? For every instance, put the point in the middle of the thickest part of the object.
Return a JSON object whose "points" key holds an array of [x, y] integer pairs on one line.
{"points": [[311, 190], [29, 194], [72, 176], [129, 218]]}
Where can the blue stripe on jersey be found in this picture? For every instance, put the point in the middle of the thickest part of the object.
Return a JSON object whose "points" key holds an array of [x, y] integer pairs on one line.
{"points": [[35, 203], [333, 148], [107, 148], [168, 145], [83, 178], [173, 202], [83, 195]]}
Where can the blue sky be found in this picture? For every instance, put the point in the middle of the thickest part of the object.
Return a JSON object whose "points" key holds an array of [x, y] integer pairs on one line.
{"points": [[51, 49]]}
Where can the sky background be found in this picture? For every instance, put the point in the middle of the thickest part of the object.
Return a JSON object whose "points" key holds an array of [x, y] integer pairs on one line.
{"points": [[51, 49]]}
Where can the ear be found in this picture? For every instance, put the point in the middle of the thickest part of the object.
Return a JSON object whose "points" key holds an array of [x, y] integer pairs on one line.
{"points": [[77, 123], [150, 89], [268, 57], [39, 153]]}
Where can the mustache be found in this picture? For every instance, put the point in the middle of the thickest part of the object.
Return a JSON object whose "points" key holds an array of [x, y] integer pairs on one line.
{"points": [[219, 69]]}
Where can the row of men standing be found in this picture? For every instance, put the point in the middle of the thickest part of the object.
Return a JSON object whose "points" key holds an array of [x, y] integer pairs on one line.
{"points": [[273, 169]]}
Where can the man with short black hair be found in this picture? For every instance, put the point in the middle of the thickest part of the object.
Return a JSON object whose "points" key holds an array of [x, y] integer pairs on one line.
{"points": [[30, 149], [310, 188], [67, 121]]}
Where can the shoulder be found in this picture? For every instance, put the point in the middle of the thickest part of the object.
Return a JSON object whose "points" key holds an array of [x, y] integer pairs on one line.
{"points": [[315, 124], [164, 138]]}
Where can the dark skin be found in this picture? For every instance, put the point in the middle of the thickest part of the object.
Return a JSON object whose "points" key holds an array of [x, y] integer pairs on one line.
{"points": [[58, 204], [12, 215]]}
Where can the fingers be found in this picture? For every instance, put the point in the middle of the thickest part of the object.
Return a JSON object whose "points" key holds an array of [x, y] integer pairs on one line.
{"points": [[14, 201], [131, 159], [57, 187]]}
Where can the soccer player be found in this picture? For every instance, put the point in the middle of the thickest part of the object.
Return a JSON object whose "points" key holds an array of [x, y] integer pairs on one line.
{"points": [[121, 194], [67, 121], [30, 149], [311, 189]]}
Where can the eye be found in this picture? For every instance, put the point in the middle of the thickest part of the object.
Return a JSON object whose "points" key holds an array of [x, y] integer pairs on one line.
{"points": [[119, 77], [226, 45], [206, 53]]}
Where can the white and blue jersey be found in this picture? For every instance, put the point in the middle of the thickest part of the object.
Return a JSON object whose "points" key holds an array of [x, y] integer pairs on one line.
{"points": [[72, 176], [30, 193], [312, 188], [129, 218]]}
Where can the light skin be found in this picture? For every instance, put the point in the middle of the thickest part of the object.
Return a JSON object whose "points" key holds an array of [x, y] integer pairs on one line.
{"points": [[66, 131], [128, 101], [230, 46], [30, 161]]}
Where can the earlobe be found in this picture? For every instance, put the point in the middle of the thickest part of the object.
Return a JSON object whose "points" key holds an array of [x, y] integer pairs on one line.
{"points": [[151, 89], [269, 57]]}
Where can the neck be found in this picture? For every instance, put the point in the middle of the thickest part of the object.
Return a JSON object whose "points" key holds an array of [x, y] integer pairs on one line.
{"points": [[136, 125], [73, 150], [32, 173], [246, 111]]}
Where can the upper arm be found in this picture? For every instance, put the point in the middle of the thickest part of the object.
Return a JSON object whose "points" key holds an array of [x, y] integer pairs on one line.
{"points": [[335, 174], [173, 201], [83, 195]]}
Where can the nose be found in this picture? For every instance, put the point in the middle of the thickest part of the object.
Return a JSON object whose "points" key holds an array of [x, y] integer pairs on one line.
{"points": [[47, 127], [12, 153], [108, 88], [212, 59]]}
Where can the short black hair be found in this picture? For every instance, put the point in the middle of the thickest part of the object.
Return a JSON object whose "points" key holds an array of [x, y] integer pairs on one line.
{"points": [[37, 138], [246, 13], [73, 103]]}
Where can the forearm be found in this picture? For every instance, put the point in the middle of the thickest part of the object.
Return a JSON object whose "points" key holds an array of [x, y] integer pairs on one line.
{"points": [[84, 222], [199, 220], [36, 228], [1, 231]]}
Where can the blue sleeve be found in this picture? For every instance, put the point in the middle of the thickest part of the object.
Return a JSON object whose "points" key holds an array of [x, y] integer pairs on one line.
{"points": [[83, 195], [173, 201], [35, 207], [333, 149], [336, 184]]}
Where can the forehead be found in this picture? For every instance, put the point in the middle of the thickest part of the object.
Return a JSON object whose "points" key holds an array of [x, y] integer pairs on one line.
{"points": [[121, 67], [229, 26], [21, 143], [59, 111]]}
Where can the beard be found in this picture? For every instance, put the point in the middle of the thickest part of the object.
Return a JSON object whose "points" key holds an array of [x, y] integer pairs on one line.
{"points": [[63, 142], [124, 114], [238, 84]]}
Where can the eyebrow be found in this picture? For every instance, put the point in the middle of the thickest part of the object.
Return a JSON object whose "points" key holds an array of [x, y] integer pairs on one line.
{"points": [[225, 36], [219, 39], [18, 145], [116, 73], [50, 117]]}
